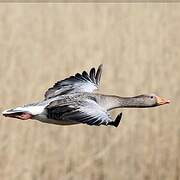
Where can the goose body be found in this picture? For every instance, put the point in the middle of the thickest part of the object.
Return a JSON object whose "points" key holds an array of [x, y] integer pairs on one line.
{"points": [[73, 101]]}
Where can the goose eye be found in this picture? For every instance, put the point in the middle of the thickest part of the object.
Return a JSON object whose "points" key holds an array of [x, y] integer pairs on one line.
{"points": [[151, 97]]}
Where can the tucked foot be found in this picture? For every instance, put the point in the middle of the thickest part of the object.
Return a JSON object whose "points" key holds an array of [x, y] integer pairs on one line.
{"points": [[116, 121]]}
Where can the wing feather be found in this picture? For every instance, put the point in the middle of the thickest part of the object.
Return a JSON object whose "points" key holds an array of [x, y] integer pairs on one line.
{"points": [[78, 83], [98, 74], [87, 111], [92, 75]]}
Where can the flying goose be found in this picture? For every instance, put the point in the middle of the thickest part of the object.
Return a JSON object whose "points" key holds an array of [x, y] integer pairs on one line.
{"points": [[73, 101]]}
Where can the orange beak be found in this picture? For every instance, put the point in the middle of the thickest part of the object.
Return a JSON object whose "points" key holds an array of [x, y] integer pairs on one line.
{"points": [[161, 101]]}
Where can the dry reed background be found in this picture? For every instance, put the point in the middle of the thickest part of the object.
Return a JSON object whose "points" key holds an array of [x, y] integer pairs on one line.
{"points": [[139, 45]]}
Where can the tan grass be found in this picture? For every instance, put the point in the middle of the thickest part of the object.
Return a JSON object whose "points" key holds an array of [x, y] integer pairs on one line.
{"points": [[139, 47]]}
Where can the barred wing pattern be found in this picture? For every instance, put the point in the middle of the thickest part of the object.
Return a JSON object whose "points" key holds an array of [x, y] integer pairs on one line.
{"points": [[78, 83]]}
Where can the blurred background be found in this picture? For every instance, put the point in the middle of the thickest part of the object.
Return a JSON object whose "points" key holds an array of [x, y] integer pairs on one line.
{"points": [[139, 45]]}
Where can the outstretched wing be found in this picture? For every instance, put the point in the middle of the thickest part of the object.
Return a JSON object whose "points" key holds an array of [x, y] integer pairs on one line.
{"points": [[78, 83], [86, 111]]}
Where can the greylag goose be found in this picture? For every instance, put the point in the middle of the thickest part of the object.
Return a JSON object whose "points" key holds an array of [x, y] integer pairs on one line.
{"points": [[73, 101]]}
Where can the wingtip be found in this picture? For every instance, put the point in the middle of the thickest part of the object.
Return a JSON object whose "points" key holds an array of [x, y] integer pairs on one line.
{"points": [[98, 74], [118, 119], [100, 66]]}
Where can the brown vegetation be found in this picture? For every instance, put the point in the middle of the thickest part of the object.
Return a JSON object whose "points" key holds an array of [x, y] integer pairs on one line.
{"points": [[139, 45]]}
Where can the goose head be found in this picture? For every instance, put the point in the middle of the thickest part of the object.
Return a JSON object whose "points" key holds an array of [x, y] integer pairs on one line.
{"points": [[150, 100]]}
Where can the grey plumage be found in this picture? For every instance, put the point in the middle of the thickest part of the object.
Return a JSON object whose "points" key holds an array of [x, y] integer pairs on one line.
{"points": [[78, 83], [73, 101], [79, 107]]}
